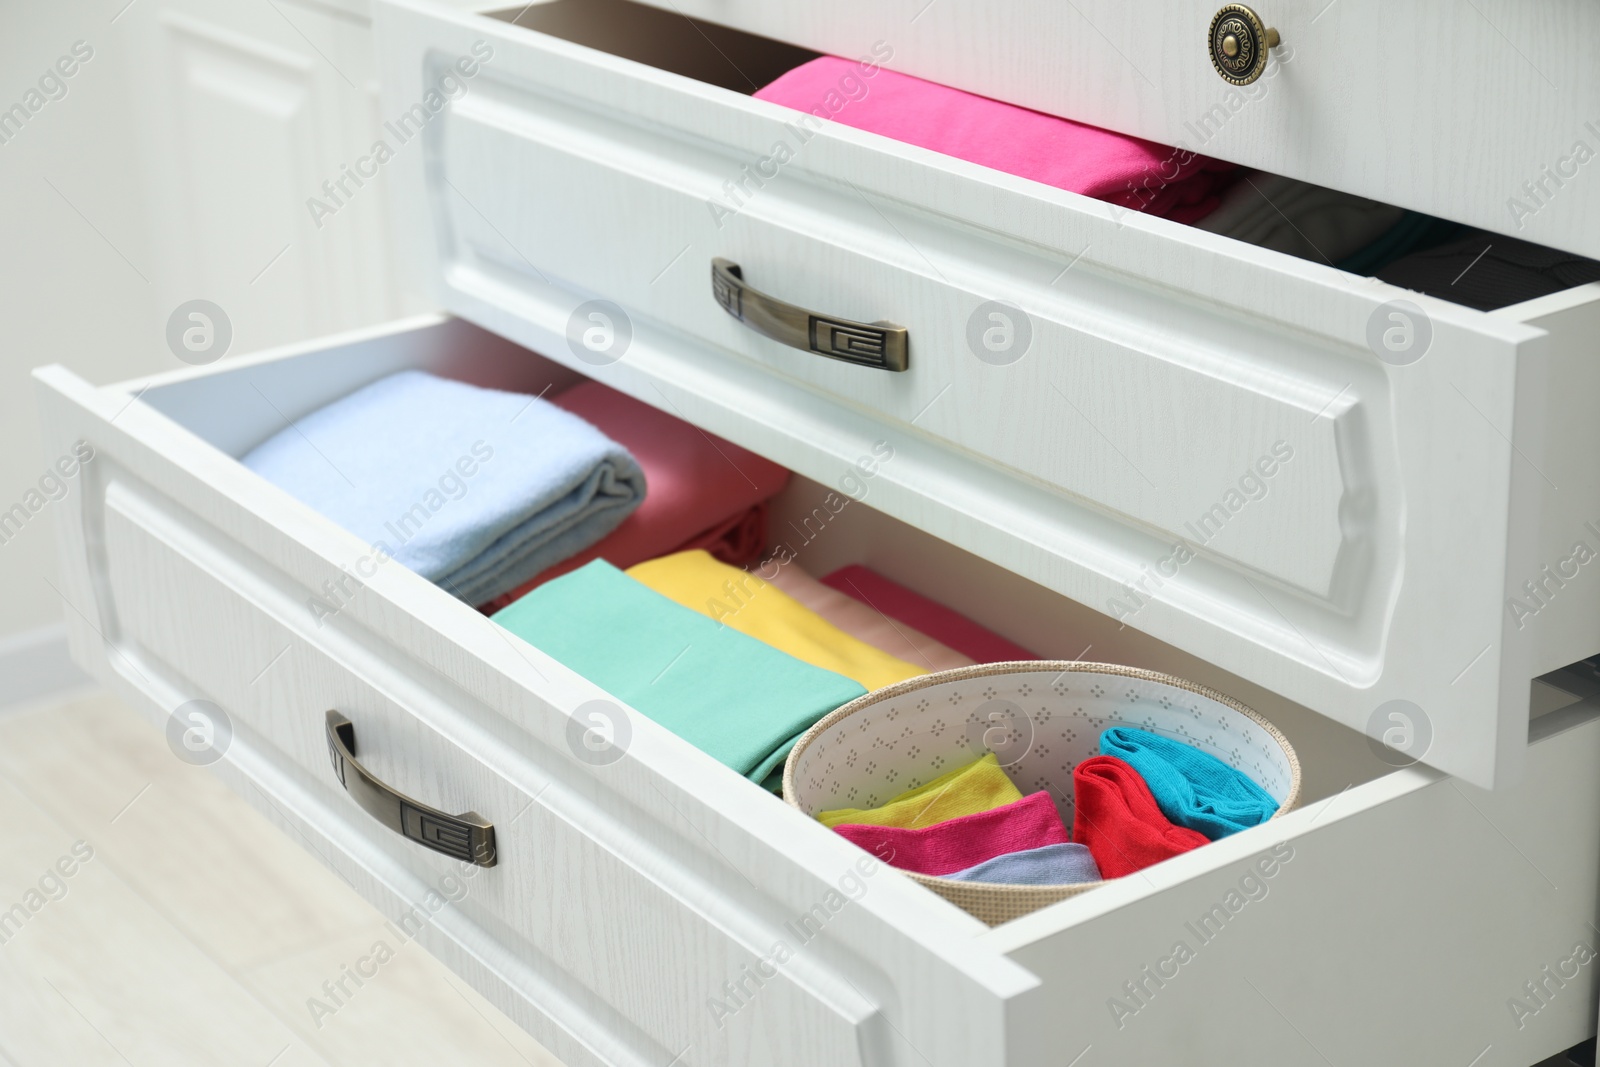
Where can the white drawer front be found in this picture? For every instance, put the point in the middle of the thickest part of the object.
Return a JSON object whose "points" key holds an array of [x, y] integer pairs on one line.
{"points": [[565, 871], [1474, 112], [625, 896], [629, 893], [1198, 441]]}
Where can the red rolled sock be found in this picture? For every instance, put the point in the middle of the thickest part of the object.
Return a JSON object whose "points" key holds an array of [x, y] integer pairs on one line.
{"points": [[1117, 818], [956, 844]]}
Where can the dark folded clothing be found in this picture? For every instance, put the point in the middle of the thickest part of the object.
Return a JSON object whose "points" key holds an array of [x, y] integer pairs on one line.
{"points": [[1488, 271], [1414, 232]]}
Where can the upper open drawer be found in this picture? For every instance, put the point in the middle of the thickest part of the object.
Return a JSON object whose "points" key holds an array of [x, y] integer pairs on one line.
{"points": [[1212, 442], [1487, 113]]}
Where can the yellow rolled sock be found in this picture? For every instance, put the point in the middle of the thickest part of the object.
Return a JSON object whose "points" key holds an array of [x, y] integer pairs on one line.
{"points": [[740, 600], [979, 786]]}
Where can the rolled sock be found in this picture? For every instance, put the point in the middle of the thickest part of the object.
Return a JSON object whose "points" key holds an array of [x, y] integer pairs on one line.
{"points": [[979, 786], [1192, 788], [961, 843], [1070, 864], [898, 639], [704, 492], [1117, 819], [737, 699], [474, 489], [1113, 167], [931, 617], [739, 599]]}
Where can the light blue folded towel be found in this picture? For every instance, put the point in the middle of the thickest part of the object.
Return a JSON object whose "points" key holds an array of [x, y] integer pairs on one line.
{"points": [[1069, 864], [475, 489], [1192, 788]]}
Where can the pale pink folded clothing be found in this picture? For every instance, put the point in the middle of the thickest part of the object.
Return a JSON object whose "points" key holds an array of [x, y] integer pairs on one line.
{"points": [[956, 844], [931, 617], [700, 491], [1128, 171], [864, 624]]}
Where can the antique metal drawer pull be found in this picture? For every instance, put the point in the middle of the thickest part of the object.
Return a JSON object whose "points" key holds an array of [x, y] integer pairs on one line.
{"points": [[466, 837], [868, 344], [1239, 43]]}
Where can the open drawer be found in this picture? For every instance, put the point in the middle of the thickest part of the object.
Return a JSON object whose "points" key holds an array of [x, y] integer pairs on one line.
{"points": [[636, 909], [1486, 113], [1192, 434]]}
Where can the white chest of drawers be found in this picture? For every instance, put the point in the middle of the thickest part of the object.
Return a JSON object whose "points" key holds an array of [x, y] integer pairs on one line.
{"points": [[630, 900]]}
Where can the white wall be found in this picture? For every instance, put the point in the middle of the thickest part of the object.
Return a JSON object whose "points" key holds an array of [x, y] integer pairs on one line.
{"points": [[67, 291], [177, 166]]}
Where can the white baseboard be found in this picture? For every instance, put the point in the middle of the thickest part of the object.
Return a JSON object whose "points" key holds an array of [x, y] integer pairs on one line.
{"points": [[35, 665]]}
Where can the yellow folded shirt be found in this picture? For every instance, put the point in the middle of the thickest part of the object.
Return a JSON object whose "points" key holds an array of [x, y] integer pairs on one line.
{"points": [[979, 786], [740, 600]]}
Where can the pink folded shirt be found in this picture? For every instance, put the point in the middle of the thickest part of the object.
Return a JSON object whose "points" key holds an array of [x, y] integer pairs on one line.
{"points": [[931, 617], [1129, 171], [700, 491], [956, 844], [858, 620]]}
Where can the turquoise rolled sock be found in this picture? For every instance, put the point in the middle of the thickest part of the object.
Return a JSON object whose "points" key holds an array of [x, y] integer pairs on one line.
{"points": [[1192, 788], [737, 699]]}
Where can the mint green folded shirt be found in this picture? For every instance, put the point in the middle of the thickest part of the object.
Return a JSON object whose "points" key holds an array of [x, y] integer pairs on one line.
{"points": [[733, 697]]}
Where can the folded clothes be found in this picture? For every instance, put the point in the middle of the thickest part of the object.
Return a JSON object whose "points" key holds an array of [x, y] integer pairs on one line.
{"points": [[898, 639], [978, 786], [1129, 171], [704, 492], [1069, 864], [1488, 271], [474, 489], [735, 698], [931, 617], [1115, 816], [959, 844], [1192, 788], [1413, 233], [1299, 218], [739, 540], [739, 599]]}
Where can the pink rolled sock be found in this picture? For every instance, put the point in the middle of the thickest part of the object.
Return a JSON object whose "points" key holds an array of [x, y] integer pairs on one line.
{"points": [[956, 844]]}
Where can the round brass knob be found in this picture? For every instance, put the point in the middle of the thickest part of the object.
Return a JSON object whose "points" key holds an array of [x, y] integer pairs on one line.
{"points": [[1239, 44]]}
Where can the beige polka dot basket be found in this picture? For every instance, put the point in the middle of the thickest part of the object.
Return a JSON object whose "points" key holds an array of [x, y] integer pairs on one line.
{"points": [[1040, 718]]}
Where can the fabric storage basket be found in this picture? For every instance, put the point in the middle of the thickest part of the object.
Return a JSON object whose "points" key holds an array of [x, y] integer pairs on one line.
{"points": [[1040, 718]]}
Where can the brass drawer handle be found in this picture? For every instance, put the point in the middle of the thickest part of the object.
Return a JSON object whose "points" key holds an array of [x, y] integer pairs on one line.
{"points": [[1239, 43], [466, 837], [867, 344]]}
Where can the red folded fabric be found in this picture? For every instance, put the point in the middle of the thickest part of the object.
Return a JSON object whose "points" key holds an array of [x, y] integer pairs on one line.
{"points": [[956, 844], [738, 542], [700, 491], [1137, 174], [931, 617], [1117, 818]]}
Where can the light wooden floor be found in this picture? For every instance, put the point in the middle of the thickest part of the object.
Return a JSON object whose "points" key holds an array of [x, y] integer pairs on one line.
{"points": [[196, 932]]}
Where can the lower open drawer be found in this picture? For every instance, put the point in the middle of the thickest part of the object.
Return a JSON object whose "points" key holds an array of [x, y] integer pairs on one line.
{"points": [[661, 909]]}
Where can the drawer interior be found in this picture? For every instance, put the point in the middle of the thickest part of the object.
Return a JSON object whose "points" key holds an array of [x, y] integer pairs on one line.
{"points": [[733, 855], [743, 62], [236, 407]]}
